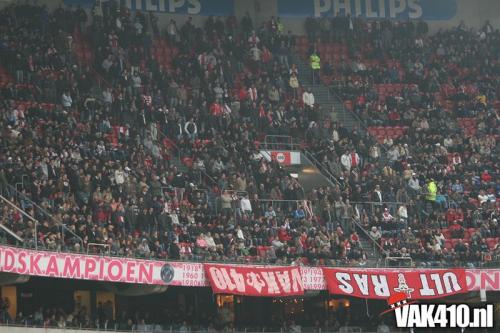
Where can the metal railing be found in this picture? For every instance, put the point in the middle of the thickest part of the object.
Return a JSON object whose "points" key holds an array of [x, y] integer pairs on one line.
{"points": [[307, 205], [10, 232], [314, 161], [376, 245], [280, 142], [162, 136], [64, 229], [408, 260], [105, 247]]}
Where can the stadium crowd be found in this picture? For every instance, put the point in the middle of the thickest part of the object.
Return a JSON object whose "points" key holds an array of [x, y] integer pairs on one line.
{"points": [[147, 141], [175, 320]]}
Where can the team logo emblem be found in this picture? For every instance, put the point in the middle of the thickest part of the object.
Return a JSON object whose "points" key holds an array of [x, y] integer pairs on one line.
{"points": [[403, 286], [167, 273], [280, 157]]}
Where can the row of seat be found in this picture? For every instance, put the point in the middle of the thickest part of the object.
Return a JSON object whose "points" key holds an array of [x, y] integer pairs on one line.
{"points": [[391, 131], [164, 53], [451, 243], [5, 77], [24, 105], [468, 232], [387, 88], [468, 125], [454, 215]]}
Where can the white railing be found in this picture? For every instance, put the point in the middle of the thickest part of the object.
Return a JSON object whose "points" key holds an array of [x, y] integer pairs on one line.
{"points": [[105, 247]]}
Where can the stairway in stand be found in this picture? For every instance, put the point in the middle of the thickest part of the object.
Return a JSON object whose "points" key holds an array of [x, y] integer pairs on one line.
{"points": [[330, 104]]}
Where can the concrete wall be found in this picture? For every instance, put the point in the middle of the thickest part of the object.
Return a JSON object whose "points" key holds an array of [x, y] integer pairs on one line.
{"points": [[473, 12]]}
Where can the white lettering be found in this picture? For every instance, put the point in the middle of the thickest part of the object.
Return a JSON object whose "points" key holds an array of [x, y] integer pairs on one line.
{"points": [[195, 7], [426, 315], [217, 278], [238, 280], [380, 285], [451, 282], [272, 286], [369, 11], [161, 5], [381, 8], [357, 7], [297, 283], [230, 285], [395, 10], [254, 280], [346, 6], [128, 4], [174, 4], [362, 282], [425, 291], [437, 280], [414, 317], [415, 9], [321, 6], [138, 4], [284, 280], [440, 316], [402, 316], [345, 286], [150, 6]]}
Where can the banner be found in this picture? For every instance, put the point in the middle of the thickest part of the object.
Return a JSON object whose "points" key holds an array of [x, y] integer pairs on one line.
{"points": [[110, 269], [485, 279], [255, 280], [183, 7], [367, 283], [283, 157], [370, 9], [377, 283]]}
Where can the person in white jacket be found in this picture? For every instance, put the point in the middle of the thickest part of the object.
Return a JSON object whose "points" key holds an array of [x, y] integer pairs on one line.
{"points": [[308, 98], [191, 129], [66, 100], [246, 205], [345, 160]]}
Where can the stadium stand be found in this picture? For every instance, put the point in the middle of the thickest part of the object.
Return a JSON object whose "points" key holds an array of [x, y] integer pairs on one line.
{"points": [[122, 139]]}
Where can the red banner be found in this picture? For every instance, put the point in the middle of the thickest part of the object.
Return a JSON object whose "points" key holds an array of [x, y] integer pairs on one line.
{"points": [[282, 157], [255, 280], [417, 284]]}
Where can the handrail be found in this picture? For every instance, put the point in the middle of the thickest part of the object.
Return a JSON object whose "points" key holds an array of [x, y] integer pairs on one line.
{"points": [[338, 262], [387, 259], [359, 120], [10, 232], [320, 166], [104, 246], [164, 136], [370, 237], [268, 145], [44, 211], [381, 202]]}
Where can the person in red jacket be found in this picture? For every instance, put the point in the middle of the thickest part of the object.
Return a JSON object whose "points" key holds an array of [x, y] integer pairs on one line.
{"points": [[486, 177], [283, 235]]}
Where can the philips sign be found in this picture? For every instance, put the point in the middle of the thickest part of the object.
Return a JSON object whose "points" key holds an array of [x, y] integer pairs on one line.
{"points": [[370, 9], [186, 7]]}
